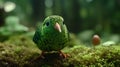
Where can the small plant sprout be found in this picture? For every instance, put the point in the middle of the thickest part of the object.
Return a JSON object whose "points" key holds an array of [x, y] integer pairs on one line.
{"points": [[95, 40]]}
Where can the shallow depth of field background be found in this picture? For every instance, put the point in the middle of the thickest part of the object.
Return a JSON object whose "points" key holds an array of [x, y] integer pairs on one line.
{"points": [[82, 17]]}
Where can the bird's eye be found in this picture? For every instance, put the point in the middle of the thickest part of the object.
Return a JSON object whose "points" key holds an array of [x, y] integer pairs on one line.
{"points": [[47, 23]]}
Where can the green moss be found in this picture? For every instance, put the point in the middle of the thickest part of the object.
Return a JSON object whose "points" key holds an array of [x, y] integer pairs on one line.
{"points": [[87, 56], [21, 51]]}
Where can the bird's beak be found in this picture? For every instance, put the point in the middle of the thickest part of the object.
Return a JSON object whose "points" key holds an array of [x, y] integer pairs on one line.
{"points": [[57, 27]]}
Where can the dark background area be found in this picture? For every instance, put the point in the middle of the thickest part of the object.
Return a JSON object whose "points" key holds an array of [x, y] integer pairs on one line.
{"points": [[79, 15]]}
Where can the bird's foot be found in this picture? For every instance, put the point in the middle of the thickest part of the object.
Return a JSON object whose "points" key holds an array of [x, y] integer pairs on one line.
{"points": [[42, 55], [63, 55]]}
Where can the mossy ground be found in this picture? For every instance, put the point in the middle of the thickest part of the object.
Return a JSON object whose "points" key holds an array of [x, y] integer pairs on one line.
{"points": [[20, 51]]}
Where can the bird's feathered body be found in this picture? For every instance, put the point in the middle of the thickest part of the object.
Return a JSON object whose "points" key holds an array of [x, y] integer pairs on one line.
{"points": [[52, 34]]}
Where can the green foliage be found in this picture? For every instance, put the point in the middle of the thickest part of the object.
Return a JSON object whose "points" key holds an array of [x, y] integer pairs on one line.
{"points": [[98, 15], [11, 27]]}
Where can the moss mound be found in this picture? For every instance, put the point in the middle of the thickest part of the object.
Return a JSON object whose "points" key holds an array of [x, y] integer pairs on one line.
{"points": [[20, 51]]}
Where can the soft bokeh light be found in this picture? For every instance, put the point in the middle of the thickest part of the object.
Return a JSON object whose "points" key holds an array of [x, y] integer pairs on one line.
{"points": [[9, 6]]}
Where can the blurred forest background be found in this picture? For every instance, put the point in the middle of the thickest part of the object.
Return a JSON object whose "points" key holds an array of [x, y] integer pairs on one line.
{"points": [[81, 16]]}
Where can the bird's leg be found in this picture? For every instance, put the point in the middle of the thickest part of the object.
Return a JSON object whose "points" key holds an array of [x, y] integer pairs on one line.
{"points": [[63, 55], [42, 54]]}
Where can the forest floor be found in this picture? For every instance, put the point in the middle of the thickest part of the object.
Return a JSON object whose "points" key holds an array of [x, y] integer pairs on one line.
{"points": [[20, 51]]}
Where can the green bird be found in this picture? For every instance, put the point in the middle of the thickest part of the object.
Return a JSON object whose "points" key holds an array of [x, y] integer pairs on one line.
{"points": [[52, 35]]}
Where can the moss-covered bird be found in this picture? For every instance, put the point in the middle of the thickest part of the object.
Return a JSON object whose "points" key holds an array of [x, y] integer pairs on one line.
{"points": [[52, 35]]}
